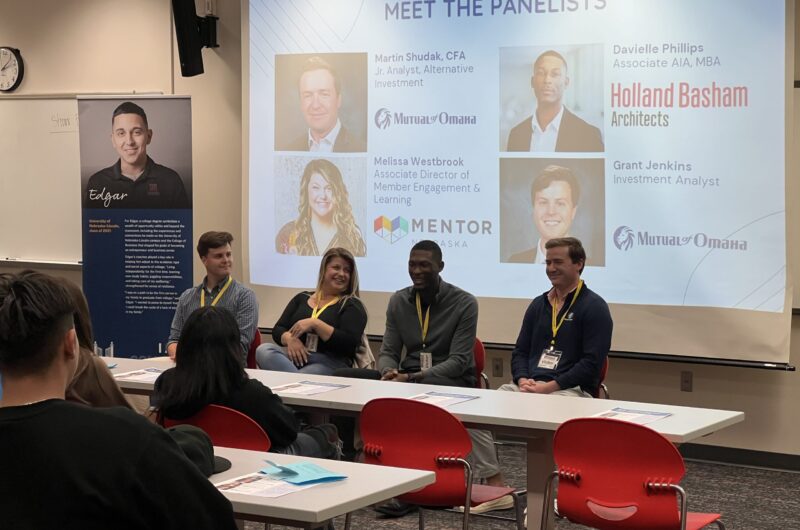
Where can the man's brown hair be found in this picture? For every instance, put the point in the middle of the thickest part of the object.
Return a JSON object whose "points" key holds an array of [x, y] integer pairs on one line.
{"points": [[574, 247], [211, 240]]}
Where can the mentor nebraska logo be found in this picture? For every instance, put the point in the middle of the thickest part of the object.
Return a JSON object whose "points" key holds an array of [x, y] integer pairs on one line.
{"points": [[390, 230], [625, 238]]}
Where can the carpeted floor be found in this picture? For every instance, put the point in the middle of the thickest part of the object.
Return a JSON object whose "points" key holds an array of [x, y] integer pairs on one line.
{"points": [[748, 498]]}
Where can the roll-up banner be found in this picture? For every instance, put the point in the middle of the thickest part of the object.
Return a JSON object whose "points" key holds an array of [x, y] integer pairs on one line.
{"points": [[136, 192]]}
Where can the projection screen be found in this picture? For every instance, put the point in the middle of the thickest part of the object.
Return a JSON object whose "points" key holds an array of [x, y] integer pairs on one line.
{"points": [[653, 130]]}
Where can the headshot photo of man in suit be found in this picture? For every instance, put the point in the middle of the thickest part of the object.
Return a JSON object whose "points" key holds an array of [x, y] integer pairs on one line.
{"points": [[320, 91], [550, 198], [553, 127], [554, 196]]}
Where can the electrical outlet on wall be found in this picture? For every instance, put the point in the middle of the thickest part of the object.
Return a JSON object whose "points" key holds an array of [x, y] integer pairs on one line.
{"points": [[686, 381], [497, 367]]}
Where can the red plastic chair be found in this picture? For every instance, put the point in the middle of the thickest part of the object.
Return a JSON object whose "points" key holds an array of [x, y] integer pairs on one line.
{"points": [[616, 475], [435, 441], [602, 390], [251, 352], [479, 352], [227, 428]]}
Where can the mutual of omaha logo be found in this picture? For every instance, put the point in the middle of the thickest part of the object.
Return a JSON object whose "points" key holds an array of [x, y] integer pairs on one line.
{"points": [[623, 238], [383, 118], [390, 230]]}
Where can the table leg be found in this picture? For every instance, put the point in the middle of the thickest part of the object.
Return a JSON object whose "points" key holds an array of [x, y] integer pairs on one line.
{"points": [[540, 465]]}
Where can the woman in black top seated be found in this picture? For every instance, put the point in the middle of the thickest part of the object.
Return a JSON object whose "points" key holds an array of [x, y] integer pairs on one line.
{"points": [[320, 330], [208, 371]]}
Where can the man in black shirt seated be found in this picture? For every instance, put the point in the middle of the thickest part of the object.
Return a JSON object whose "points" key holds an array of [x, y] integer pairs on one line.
{"points": [[135, 181], [69, 466]]}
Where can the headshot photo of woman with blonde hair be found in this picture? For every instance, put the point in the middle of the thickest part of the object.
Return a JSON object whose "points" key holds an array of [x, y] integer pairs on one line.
{"points": [[325, 218]]}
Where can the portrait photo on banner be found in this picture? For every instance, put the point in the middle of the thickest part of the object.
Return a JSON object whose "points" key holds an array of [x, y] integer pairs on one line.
{"points": [[136, 152], [547, 198], [551, 98], [320, 203], [321, 102]]}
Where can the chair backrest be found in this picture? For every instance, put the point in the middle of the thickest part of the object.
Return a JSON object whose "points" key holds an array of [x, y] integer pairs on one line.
{"points": [[413, 434], [251, 351], [479, 352], [364, 357], [614, 460], [603, 373], [227, 428]]}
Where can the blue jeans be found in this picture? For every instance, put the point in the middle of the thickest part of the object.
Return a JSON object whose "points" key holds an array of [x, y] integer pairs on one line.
{"points": [[272, 357]]}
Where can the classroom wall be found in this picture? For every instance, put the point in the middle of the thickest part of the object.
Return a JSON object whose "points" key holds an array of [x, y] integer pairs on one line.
{"points": [[118, 45]]}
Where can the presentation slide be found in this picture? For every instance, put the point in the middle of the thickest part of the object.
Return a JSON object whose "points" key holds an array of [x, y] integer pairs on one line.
{"points": [[652, 130]]}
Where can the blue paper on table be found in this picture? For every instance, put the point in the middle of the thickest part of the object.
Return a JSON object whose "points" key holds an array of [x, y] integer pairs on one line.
{"points": [[299, 473]]}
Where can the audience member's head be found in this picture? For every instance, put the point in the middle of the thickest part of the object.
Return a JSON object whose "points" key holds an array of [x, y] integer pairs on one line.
{"points": [[83, 322], [36, 326], [207, 364]]}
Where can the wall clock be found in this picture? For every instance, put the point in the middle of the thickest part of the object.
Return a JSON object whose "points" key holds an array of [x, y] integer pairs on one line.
{"points": [[11, 69]]}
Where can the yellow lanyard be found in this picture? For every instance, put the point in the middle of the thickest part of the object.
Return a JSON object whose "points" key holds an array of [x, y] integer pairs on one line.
{"points": [[219, 294], [556, 327], [423, 324], [316, 312]]}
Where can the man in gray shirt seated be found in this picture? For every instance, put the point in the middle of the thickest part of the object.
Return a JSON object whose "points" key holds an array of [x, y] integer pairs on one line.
{"points": [[434, 321]]}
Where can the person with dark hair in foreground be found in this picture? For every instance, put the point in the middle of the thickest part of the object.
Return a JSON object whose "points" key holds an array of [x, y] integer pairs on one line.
{"points": [[217, 288], [92, 383], [207, 371], [70, 466]]}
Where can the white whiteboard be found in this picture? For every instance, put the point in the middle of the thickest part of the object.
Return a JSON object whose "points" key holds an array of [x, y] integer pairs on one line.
{"points": [[40, 194]]}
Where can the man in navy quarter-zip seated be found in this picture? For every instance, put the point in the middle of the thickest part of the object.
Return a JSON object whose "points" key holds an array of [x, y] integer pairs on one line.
{"points": [[563, 343]]}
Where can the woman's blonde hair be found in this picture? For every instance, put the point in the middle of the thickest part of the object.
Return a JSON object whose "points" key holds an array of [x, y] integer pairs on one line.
{"points": [[348, 234], [352, 289]]}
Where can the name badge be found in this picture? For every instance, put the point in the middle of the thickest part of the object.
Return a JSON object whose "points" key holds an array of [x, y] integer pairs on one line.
{"points": [[312, 339], [549, 359], [425, 360]]}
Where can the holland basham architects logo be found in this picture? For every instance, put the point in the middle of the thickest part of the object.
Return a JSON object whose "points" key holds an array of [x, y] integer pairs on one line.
{"points": [[385, 117], [625, 238]]}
